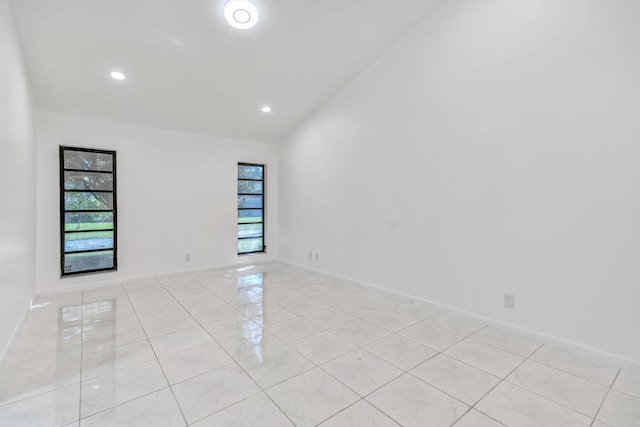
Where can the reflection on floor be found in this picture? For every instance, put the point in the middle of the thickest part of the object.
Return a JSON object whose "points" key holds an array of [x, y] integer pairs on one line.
{"points": [[274, 345]]}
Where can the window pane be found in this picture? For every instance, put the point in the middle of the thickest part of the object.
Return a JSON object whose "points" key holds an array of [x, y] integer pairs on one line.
{"points": [[249, 172], [88, 181], [87, 201], [253, 215], [249, 202], [88, 241], [250, 245], [88, 161], [88, 237], [88, 221], [250, 187], [250, 208], [74, 263], [249, 230]]}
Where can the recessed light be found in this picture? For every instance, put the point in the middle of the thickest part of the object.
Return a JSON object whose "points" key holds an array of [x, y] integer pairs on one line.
{"points": [[117, 75], [241, 14], [266, 109]]}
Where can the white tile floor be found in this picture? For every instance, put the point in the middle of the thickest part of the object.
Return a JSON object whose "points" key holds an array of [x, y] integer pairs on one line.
{"points": [[274, 345]]}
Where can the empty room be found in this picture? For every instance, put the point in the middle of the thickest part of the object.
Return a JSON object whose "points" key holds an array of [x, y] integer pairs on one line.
{"points": [[272, 213]]}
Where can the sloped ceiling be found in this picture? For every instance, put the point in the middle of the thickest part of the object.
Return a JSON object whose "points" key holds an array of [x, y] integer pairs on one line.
{"points": [[187, 69]]}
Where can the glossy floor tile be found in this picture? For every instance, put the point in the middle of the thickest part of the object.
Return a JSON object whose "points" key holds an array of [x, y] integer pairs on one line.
{"points": [[329, 318], [566, 389], [114, 388], [431, 336], [514, 406], [519, 345], [401, 351], [362, 371], [312, 398], [273, 366], [628, 382], [620, 410], [474, 418], [155, 409], [360, 332], [360, 414], [464, 382], [15, 386], [414, 403], [322, 347], [193, 362], [490, 359], [258, 410], [208, 393], [578, 362], [274, 345], [57, 408]]}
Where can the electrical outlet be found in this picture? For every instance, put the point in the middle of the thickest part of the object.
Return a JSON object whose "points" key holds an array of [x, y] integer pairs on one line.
{"points": [[187, 258], [317, 257], [509, 301]]}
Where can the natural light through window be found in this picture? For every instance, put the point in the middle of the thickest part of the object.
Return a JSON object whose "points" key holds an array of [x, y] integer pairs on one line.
{"points": [[250, 208], [87, 210]]}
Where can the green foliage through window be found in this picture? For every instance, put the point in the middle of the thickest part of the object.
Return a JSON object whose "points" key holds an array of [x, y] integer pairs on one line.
{"points": [[250, 208], [87, 210]]}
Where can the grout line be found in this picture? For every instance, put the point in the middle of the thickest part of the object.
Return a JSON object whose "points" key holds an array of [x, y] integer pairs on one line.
{"points": [[366, 402], [470, 336], [208, 371], [123, 403], [595, 417], [228, 406], [317, 366], [547, 398], [262, 390], [569, 373], [546, 339], [504, 379], [362, 347], [535, 362], [481, 413], [496, 386], [504, 332], [156, 355], [275, 286], [404, 372], [438, 353]]}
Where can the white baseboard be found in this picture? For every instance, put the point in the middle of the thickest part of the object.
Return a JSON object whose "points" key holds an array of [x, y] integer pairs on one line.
{"points": [[536, 335]]}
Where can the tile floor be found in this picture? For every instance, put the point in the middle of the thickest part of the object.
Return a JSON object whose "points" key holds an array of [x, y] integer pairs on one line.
{"points": [[274, 345]]}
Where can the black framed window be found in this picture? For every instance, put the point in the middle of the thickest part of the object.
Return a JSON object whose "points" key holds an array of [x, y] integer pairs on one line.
{"points": [[251, 208], [88, 211]]}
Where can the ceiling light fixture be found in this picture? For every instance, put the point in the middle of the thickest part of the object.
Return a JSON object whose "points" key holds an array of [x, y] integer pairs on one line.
{"points": [[117, 75], [266, 109], [241, 14]]}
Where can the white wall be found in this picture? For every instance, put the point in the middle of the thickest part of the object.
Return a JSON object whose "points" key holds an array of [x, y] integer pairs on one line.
{"points": [[494, 149], [17, 182], [176, 195]]}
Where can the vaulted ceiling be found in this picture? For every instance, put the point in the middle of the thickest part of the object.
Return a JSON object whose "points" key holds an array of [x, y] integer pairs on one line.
{"points": [[187, 69]]}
